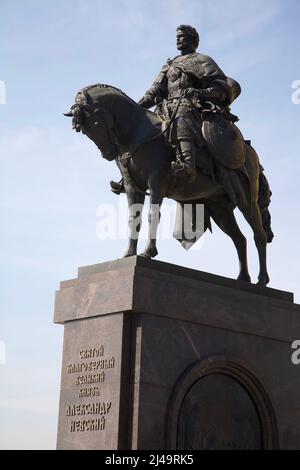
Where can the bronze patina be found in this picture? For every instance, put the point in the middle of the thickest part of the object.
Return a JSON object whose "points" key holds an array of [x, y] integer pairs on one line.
{"points": [[189, 150]]}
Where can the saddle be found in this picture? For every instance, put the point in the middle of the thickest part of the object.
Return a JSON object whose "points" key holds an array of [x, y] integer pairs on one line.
{"points": [[223, 139]]}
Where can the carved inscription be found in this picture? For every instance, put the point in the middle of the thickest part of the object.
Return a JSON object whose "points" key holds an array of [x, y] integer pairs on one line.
{"points": [[91, 366], [88, 425], [90, 379], [92, 352], [101, 408], [92, 369]]}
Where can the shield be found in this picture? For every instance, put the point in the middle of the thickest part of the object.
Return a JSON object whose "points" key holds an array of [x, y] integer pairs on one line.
{"points": [[224, 140]]}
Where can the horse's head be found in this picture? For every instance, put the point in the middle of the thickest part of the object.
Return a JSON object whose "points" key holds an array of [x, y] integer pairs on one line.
{"points": [[96, 121]]}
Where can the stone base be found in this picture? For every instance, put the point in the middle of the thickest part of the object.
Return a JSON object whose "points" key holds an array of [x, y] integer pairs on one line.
{"points": [[157, 356]]}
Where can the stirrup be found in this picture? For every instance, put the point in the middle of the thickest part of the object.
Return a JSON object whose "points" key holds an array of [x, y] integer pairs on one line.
{"points": [[177, 166], [117, 188]]}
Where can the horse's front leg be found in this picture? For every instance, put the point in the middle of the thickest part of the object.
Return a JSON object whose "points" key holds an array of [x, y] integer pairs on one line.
{"points": [[260, 237], [153, 218], [135, 206]]}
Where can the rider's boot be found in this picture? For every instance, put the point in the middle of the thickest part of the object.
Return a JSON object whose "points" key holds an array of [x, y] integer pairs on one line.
{"points": [[187, 166], [117, 188]]}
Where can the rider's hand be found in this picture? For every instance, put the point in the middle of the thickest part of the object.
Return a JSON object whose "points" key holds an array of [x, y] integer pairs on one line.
{"points": [[146, 102], [141, 102], [193, 93], [190, 93]]}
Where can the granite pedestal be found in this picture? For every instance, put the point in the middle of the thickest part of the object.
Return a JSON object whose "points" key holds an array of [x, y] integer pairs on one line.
{"points": [[158, 356]]}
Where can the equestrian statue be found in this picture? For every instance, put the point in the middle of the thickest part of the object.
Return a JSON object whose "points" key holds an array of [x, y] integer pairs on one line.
{"points": [[189, 149]]}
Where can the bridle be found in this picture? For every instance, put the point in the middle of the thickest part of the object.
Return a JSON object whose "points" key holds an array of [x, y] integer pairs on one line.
{"points": [[107, 130], [84, 110], [84, 103]]}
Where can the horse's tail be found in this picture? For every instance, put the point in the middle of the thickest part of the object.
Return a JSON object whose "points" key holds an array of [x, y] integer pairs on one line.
{"points": [[264, 199]]}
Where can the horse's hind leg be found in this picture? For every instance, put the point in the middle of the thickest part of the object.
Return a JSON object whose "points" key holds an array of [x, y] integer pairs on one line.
{"points": [[225, 219], [135, 206], [153, 218], [260, 238]]}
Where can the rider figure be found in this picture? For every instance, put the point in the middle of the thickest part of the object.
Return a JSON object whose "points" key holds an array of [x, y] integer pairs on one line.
{"points": [[191, 78]]}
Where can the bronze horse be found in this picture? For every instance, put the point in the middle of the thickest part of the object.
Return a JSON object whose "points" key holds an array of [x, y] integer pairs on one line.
{"points": [[118, 126]]}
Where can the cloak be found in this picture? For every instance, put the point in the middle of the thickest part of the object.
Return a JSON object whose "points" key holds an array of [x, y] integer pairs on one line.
{"points": [[206, 71]]}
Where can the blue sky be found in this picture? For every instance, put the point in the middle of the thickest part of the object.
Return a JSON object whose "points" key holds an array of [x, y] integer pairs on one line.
{"points": [[52, 180]]}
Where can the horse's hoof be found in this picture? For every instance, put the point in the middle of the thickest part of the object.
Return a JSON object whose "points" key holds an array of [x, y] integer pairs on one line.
{"points": [[244, 278], [263, 284], [263, 281], [151, 253], [128, 255]]}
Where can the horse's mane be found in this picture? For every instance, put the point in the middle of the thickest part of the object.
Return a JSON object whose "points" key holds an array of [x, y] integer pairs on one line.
{"points": [[101, 86], [84, 98]]}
